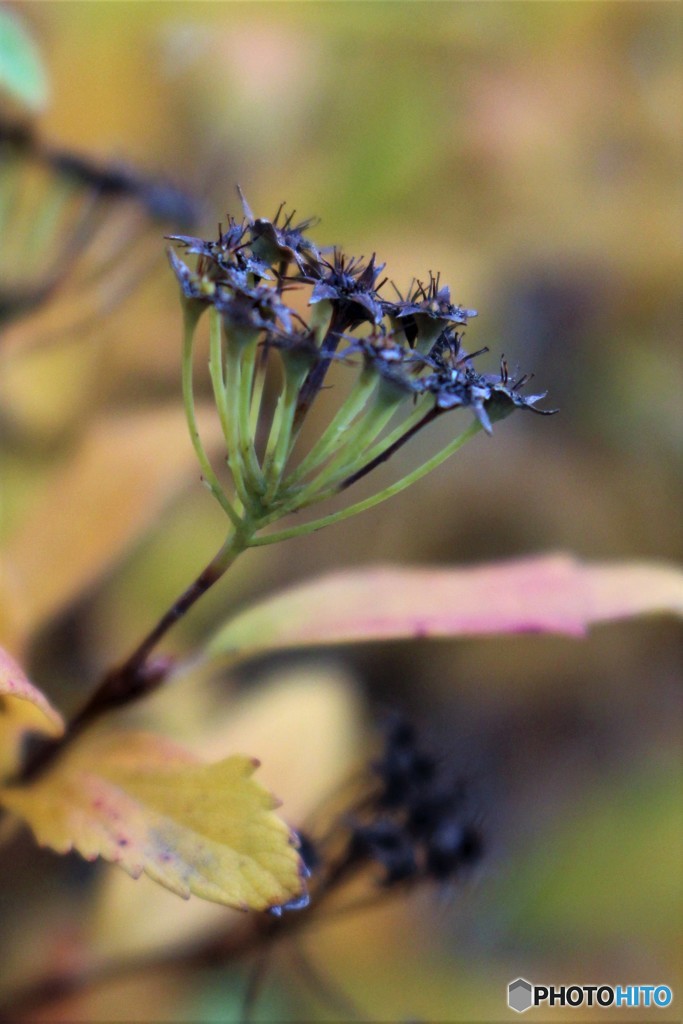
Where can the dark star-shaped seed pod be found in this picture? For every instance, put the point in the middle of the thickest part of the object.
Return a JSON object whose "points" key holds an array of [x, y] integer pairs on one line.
{"points": [[378, 347], [350, 285], [194, 287], [227, 253], [255, 308], [280, 243], [490, 397], [426, 313], [299, 347]]}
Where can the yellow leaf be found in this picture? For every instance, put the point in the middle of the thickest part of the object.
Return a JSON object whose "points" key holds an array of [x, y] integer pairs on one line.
{"points": [[114, 486], [144, 803], [326, 738], [139, 918], [23, 708]]}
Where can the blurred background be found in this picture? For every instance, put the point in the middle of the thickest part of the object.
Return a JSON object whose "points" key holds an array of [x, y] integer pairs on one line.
{"points": [[531, 153]]}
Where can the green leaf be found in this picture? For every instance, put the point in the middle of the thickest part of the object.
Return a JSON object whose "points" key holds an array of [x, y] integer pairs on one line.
{"points": [[545, 594], [22, 73]]}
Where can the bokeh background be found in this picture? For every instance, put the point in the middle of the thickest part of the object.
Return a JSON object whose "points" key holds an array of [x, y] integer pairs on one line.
{"points": [[531, 153]]}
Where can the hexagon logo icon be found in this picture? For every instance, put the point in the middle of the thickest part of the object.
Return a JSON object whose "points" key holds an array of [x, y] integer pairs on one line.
{"points": [[520, 996]]}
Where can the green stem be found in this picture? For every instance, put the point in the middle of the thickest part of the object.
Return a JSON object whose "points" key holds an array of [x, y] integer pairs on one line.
{"points": [[246, 434], [189, 326], [375, 499], [352, 453], [283, 445], [314, 379], [403, 427], [345, 415], [257, 394], [273, 435], [227, 410]]}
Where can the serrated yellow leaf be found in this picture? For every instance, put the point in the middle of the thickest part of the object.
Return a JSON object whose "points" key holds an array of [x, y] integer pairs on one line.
{"points": [[113, 487], [144, 803], [23, 708], [139, 918]]}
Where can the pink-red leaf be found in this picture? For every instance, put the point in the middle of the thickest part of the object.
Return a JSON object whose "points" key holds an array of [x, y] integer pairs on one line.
{"points": [[547, 594]]}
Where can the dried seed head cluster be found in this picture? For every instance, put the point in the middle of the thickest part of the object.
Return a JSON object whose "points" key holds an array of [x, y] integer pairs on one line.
{"points": [[162, 200], [407, 823], [406, 354], [400, 823], [66, 221]]}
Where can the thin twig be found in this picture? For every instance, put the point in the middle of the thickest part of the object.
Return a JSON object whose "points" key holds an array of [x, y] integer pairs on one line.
{"points": [[138, 675]]}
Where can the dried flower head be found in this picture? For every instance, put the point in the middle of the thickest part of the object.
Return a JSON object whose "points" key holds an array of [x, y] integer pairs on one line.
{"points": [[405, 357]]}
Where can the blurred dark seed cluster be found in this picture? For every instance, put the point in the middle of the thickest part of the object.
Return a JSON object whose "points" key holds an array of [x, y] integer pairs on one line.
{"points": [[56, 209], [410, 820]]}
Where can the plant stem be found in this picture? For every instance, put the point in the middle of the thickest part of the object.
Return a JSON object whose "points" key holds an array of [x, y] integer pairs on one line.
{"points": [[375, 499], [327, 442], [389, 449], [361, 434], [246, 434], [399, 431], [190, 323], [281, 450], [233, 546], [316, 376], [227, 411], [273, 435], [136, 676], [257, 395]]}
